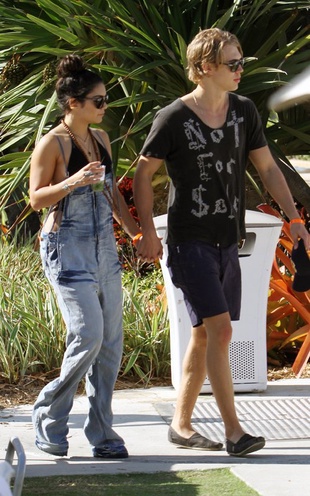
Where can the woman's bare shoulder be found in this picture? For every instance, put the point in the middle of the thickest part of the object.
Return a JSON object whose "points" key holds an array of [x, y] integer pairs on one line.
{"points": [[52, 138], [58, 132]]}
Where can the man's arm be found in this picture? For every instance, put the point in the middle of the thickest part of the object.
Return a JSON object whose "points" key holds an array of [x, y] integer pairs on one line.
{"points": [[149, 248], [276, 184]]}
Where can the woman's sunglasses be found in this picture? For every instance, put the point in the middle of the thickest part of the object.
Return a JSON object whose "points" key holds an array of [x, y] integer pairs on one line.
{"points": [[99, 101], [233, 66]]}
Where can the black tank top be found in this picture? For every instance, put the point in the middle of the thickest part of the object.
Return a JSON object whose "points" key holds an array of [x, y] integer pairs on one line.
{"points": [[78, 160]]}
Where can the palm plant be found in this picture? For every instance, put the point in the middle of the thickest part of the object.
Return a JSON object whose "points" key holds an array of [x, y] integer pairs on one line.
{"points": [[139, 48]]}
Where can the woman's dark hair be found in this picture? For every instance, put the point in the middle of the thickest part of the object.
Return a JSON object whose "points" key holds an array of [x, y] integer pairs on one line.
{"points": [[74, 80]]}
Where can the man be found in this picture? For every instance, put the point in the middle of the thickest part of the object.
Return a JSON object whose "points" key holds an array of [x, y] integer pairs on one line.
{"points": [[206, 138]]}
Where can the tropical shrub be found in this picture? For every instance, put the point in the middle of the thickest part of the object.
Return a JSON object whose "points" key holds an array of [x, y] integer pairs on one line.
{"points": [[32, 332], [139, 47], [146, 339], [31, 328]]}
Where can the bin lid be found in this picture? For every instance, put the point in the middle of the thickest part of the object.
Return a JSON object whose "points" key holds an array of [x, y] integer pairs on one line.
{"points": [[260, 219], [252, 219], [160, 221]]}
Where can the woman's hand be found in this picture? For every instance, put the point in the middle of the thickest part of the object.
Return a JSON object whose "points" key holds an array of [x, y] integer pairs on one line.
{"points": [[149, 248], [90, 174]]}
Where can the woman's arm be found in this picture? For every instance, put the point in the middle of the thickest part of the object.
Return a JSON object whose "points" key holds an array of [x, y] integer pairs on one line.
{"points": [[122, 214], [48, 182], [45, 161]]}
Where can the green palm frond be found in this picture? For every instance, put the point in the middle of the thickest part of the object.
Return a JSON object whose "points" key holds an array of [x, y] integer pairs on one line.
{"points": [[139, 48]]}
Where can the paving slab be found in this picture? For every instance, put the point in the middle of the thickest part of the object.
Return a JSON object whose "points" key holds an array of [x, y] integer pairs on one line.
{"points": [[280, 469]]}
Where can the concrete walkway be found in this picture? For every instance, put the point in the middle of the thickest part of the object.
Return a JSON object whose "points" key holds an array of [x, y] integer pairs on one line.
{"points": [[280, 469]]}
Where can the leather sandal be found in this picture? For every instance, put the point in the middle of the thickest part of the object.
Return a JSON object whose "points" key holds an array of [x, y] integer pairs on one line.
{"points": [[246, 444], [196, 441]]}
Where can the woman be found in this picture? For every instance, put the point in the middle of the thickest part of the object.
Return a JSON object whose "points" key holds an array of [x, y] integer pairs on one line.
{"points": [[71, 173]]}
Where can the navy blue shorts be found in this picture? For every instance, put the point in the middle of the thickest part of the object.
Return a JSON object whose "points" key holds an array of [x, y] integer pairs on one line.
{"points": [[209, 277]]}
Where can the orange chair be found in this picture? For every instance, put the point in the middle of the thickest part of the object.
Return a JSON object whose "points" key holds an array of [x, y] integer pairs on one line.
{"points": [[281, 281]]}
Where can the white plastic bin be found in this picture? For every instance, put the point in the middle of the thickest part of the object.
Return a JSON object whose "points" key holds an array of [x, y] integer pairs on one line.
{"points": [[247, 353]]}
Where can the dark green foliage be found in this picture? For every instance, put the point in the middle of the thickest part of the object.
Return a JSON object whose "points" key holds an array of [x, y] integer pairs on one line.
{"points": [[139, 48]]}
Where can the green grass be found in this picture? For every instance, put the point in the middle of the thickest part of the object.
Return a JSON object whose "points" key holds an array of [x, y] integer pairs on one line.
{"points": [[190, 483]]}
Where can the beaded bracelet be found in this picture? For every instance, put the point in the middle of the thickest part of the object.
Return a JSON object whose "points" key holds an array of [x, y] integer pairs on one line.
{"points": [[297, 221], [66, 187], [136, 238]]}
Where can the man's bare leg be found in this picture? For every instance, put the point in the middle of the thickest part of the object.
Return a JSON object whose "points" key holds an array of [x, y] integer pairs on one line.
{"points": [[208, 349], [219, 332], [194, 371]]}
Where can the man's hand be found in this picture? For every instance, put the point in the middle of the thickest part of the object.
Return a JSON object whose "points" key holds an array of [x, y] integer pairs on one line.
{"points": [[299, 231], [149, 248]]}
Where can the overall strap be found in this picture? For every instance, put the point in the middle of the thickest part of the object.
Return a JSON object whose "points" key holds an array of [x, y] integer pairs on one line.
{"points": [[98, 136], [62, 151]]}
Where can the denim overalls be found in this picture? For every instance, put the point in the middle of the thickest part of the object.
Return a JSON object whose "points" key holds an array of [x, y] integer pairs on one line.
{"points": [[81, 263]]}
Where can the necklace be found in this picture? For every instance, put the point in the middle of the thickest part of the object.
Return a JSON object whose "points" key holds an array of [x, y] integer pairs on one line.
{"points": [[201, 110], [195, 100], [222, 109], [82, 139], [105, 187], [75, 141], [86, 145]]}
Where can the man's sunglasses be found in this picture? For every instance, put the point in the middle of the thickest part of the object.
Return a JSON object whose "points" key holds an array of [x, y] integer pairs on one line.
{"points": [[233, 66], [99, 101]]}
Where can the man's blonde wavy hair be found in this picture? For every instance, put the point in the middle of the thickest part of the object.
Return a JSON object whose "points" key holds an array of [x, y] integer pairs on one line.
{"points": [[207, 46]]}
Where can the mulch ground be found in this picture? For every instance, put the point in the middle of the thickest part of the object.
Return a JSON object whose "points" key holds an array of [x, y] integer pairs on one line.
{"points": [[27, 391]]}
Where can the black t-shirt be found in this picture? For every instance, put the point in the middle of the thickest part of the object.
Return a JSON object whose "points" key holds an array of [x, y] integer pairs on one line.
{"points": [[207, 169]]}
